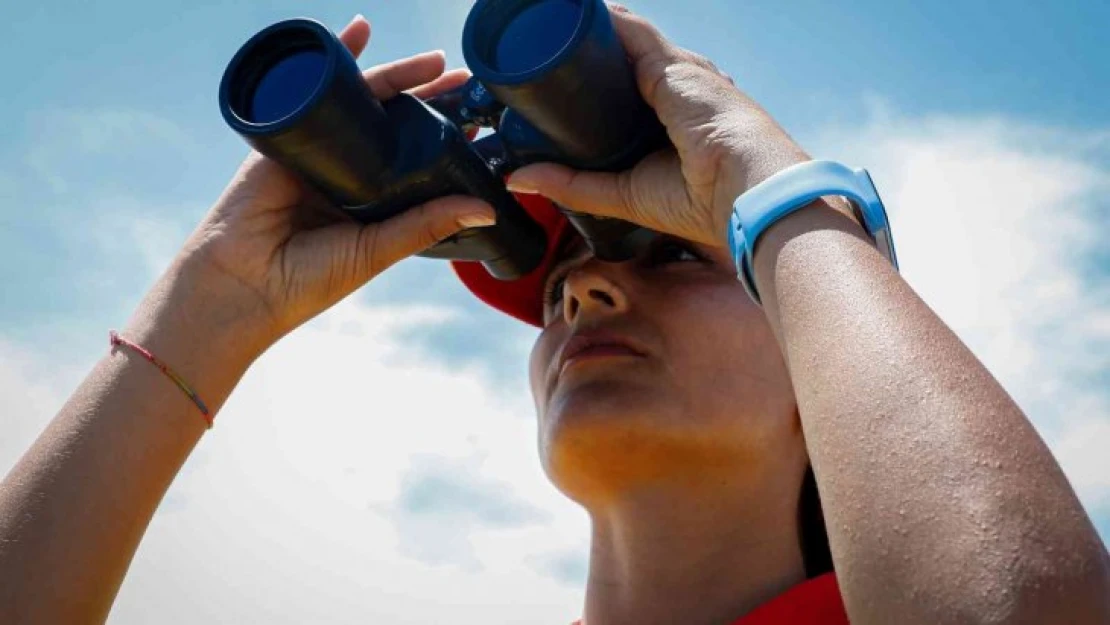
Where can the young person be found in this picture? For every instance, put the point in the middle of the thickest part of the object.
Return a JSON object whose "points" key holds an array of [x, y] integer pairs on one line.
{"points": [[695, 426]]}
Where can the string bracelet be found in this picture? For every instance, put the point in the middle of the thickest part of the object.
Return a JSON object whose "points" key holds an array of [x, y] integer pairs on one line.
{"points": [[117, 340]]}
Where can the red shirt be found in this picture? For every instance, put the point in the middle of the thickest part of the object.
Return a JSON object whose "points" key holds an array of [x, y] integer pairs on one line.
{"points": [[813, 602]]}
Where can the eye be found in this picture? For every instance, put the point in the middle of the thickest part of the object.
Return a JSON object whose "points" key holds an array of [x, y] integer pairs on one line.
{"points": [[670, 250], [553, 288]]}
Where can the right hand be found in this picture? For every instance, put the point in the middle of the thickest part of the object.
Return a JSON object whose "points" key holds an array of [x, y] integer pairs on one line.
{"points": [[273, 248], [724, 143]]}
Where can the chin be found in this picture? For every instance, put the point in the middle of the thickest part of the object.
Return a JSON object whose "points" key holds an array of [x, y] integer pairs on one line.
{"points": [[578, 402], [604, 437]]}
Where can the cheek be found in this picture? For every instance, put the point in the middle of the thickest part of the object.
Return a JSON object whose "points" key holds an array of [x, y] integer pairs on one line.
{"points": [[538, 362], [722, 352]]}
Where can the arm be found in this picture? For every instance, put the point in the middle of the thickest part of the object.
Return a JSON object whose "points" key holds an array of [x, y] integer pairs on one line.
{"points": [[73, 510], [263, 261], [932, 480], [942, 504]]}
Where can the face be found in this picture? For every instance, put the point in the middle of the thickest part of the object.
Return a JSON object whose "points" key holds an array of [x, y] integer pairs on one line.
{"points": [[657, 370]]}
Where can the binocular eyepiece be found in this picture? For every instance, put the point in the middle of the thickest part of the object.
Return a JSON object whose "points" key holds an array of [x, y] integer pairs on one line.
{"points": [[550, 77]]}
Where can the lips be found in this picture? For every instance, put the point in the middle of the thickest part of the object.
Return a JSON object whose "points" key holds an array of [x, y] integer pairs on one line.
{"points": [[596, 345]]}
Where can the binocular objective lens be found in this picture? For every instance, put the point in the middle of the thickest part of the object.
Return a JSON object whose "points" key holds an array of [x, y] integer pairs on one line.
{"points": [[535, 35], [286, 85]]}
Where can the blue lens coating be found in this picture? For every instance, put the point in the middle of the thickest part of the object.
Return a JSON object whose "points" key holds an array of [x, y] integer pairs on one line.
{"points": [[287, 85], [536, 34]]}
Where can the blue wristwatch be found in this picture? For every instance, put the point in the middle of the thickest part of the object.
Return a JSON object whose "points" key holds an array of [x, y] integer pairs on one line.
{"points": [[793, 188]]}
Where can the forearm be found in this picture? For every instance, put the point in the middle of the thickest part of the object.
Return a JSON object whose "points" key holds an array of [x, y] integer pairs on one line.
{"points": [[942, 503], [75, 507]]}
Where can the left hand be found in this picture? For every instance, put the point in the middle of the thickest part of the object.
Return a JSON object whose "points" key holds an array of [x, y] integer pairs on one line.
{"points": [[275, 252], [724, 144]]}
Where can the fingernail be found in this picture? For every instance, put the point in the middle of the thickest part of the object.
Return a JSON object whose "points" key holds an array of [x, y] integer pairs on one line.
{"points": [[358, 18], [477, 220], [519, 186]]}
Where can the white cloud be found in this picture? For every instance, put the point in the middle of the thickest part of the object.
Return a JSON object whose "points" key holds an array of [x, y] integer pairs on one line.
{"points": [[291, 511], [32, 389], [291, 502], [1082, 451]]}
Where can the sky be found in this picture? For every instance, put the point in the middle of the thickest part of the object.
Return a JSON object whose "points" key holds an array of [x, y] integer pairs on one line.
{"points": [[379, 464]]}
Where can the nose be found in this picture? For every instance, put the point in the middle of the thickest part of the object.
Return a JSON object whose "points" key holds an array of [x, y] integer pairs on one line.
{"points": [[589, 291]]}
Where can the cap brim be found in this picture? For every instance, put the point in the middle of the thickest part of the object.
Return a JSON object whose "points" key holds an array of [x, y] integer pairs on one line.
{"points": [[521, 298]]}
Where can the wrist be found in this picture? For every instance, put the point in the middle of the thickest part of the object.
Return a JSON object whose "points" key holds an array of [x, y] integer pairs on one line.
{"points": [[823, 218], [742, 172], [203, 331], [809, 194], [747, 166]]}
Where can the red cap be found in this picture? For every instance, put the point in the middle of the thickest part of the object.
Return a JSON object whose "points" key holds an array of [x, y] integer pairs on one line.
{"points": [[522, 298]]}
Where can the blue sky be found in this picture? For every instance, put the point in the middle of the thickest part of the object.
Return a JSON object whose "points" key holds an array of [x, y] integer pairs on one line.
{"points": [[811, 63], [984, 123]]}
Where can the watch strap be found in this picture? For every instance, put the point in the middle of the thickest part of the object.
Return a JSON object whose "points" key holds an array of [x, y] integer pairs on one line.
{"points": [[796, 187]]}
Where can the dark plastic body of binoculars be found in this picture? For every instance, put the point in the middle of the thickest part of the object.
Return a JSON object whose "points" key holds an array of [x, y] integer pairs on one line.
{"points": [[550, 78]]}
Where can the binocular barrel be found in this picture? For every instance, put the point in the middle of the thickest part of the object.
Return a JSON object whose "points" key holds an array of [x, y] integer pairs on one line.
{"points": [[557, 73], [560, 65], [294, 93]]}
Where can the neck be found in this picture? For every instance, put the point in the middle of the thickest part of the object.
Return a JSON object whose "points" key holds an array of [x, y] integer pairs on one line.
{"points": [[683, 554]]}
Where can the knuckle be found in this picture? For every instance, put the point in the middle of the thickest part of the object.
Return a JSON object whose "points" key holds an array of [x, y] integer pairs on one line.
{"points": [[572, 187], [368, 250], [702, 62], [653, 73], [431, 231], [573, 180], [626, 191]]}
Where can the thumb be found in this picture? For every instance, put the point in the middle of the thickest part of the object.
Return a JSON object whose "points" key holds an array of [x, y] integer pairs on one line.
{"points": [[640, 38], [417, 229], [598, 193]]}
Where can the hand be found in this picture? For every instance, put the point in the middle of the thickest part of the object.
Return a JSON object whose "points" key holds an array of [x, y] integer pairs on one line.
{"points": [[276, 248], [724, 144]]}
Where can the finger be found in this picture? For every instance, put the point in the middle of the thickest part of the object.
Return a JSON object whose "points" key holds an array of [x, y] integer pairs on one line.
{"points": [[446, 82], [356, 35], [392, 78], [640, 38], [417, 229], [598, 193]]}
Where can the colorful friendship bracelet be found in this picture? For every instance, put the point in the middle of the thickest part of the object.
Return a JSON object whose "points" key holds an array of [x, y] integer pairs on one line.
{"points": [[117, 340]]}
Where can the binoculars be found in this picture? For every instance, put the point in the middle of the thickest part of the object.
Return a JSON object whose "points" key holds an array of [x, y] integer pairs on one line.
{"points": [[550, 78]]}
